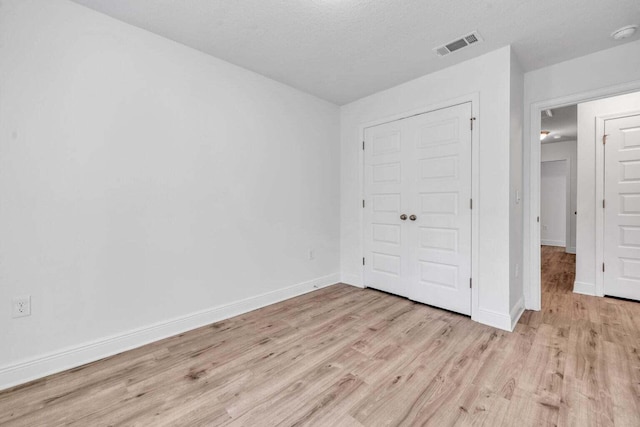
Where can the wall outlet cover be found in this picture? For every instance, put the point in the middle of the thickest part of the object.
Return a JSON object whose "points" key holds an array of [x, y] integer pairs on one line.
{"points": [[21, 306]]}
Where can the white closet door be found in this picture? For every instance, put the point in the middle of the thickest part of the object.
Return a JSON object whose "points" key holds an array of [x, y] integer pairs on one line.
{"points": [[439, 170], [417, 215], [622, 208], [385, 234]]}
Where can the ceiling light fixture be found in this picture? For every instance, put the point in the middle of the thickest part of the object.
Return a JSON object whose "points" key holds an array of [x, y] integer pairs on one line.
{"points": [[624, 32], [544, 134]]}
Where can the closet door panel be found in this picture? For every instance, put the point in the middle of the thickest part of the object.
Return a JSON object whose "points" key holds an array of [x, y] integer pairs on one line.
{"points": [[440, 194], [385, 237]]}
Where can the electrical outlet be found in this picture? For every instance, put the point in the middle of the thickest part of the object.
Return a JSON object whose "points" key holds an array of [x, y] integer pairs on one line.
{"points": [[517, 270], [312, 255], [22, 306]]}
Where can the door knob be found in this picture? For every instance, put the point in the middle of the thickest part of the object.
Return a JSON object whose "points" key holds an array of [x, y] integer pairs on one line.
{"points": [[403, 217], [413, 217]]}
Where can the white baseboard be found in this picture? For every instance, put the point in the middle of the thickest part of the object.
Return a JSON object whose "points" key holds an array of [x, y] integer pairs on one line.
{"points": [[584, 288], [571, 250], [516, 312], [352, 279], [560, 243], [71, 357], [493, 318]]}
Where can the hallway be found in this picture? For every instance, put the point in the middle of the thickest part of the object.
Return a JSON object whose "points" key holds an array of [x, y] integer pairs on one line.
{"points": [[598, 343]]}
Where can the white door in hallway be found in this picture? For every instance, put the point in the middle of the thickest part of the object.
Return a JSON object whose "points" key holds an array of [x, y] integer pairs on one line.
{"points": [[417, 208], [622, 207], [553, 202]]}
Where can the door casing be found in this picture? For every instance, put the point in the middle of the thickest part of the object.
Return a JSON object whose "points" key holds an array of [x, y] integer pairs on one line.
{"points": [[531, 182]]}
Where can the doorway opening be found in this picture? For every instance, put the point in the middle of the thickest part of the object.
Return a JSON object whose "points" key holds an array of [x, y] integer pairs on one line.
{"points": [[558, 199], [593, 183]]}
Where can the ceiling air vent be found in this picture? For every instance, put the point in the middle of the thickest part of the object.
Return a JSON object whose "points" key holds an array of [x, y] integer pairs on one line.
{"points": [[469, 39]]}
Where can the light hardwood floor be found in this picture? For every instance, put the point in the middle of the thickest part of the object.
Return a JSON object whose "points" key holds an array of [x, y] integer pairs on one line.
{"points": [[344, 356]]}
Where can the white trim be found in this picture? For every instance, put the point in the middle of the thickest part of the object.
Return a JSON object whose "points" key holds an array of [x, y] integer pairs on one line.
{"points": [[584, 288], [474, 99], [475, 213], [352, 280], [501, 320], [493, 318], [75, 356], [560, 243], [531, 255], [599, 208], [516, 312]]}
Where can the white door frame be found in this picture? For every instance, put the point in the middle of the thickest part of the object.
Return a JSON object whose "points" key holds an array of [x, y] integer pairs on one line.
{"points": [[531, 162], [474, 99]]}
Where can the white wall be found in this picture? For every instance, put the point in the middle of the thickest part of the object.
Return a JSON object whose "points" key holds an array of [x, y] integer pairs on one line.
{"points": [[516, 292], [589, 255], [554, 186], [488, 77], [592, 76], [566, 150], [143, 182]]}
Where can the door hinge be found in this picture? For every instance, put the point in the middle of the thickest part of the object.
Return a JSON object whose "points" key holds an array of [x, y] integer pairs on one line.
{"points": [[470, 203], [602, 203], [363, 203], [538, 219], [363, 145], [472, 119], [603, 267], [470, 282], [362, 260], [604, 139]]}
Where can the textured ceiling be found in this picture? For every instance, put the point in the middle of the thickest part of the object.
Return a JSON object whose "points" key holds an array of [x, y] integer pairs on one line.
{"points": [[564, 124], [342, 50]]}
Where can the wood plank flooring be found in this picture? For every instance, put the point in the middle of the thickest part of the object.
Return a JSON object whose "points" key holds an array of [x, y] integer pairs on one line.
{"points": [[343, 356]]}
